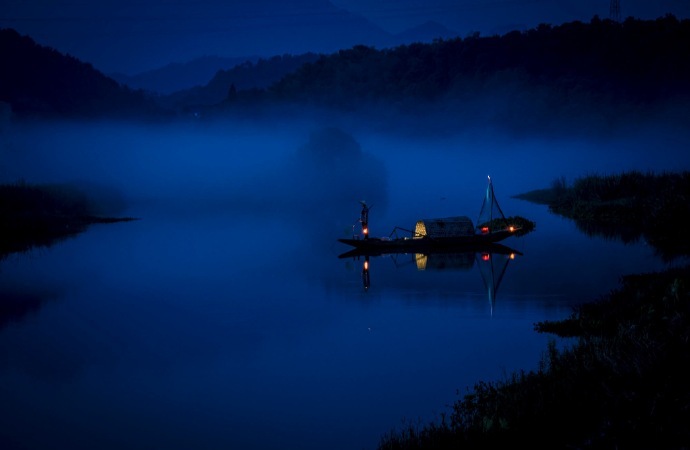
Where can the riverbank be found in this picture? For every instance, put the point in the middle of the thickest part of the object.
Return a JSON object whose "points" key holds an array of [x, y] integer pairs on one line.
{"points": [[40, 215], [622, 383]]}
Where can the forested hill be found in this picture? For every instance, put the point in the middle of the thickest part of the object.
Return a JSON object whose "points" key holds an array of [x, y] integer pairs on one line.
{"points": [[646, 60], [549, 71], [38, 80]]}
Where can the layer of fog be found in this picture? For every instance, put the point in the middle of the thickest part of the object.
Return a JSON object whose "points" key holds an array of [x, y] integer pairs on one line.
{"points": [[262, 168]]}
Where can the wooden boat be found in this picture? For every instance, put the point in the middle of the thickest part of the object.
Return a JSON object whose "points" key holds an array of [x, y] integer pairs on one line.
{"points": [[428, 243], [454, 233]]}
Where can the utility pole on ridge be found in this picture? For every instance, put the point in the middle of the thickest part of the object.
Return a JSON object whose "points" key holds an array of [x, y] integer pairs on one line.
{"points": [[615, 10]]}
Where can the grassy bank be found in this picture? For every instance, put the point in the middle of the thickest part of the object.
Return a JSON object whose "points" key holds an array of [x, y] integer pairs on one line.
{"points": [[622, 384], [39, 215], [631, 206]]}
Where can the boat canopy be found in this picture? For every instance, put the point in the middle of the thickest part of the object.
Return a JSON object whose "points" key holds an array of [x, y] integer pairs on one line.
{"points": [[445, 227]]}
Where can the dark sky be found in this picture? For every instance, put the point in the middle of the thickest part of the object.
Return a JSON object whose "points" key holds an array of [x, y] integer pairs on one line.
{"points": [[131, 36]]}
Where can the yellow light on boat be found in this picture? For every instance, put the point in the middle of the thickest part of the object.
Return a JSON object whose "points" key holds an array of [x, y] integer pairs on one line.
{"points": [[365, 230], [511, 228], [366, 265], [512, 256]]}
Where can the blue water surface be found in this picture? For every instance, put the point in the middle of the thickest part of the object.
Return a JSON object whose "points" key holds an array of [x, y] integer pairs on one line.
{"points": [[215, 323]]}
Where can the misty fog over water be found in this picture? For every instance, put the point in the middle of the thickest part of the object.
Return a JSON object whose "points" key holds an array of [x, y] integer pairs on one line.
{"points": [[194, 164], [223, 318]]}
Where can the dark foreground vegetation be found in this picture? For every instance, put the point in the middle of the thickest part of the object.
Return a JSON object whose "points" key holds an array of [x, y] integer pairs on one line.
{"points": [[40, 215], [621, 382], [622, 385]]}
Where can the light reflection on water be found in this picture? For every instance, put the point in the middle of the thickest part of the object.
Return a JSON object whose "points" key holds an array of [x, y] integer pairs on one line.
{"points": [[175, 332]]}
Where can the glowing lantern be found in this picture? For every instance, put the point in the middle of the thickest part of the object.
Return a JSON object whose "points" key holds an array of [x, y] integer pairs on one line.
{"points": [[485, 257]]}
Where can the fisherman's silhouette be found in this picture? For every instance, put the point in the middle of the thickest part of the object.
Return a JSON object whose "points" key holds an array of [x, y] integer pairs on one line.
{"points": [[364, 219]]}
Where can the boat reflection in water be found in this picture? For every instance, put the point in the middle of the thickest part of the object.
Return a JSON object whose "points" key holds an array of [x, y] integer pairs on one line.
{"points": [[492, 259]]}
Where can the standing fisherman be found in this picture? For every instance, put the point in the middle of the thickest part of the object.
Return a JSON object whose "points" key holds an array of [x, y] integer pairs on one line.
{"points": [[364, 219]]}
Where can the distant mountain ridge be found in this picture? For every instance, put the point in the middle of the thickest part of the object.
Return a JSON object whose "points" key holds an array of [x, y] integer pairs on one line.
{"points": [[246, 76], [599, 72], [175, 77], [183, 76], [426, 32], [80, 89], [38, 80]]}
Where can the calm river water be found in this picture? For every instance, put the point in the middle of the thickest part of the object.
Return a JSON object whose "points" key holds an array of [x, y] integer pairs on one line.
{"points": [[239, 327]]}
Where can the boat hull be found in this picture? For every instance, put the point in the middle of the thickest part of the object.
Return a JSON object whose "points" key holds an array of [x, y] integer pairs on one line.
{"points": [[488, 247], [475, 242]]}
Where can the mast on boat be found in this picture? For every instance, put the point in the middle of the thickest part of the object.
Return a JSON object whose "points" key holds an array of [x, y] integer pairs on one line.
{"points": [[490, 208]]}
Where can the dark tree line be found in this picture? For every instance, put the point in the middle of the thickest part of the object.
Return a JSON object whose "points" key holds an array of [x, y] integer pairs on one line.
{"points": [[584, 77], [641, 61]]}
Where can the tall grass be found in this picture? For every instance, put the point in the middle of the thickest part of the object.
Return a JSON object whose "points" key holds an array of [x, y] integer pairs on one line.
{"points": [[629, 206]]}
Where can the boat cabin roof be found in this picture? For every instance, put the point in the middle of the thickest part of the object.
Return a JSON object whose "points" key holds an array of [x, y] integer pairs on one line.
{"points": [[444, 227]]}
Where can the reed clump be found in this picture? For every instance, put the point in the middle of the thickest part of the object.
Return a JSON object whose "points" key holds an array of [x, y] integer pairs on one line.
{"points": [[630, 206]]}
